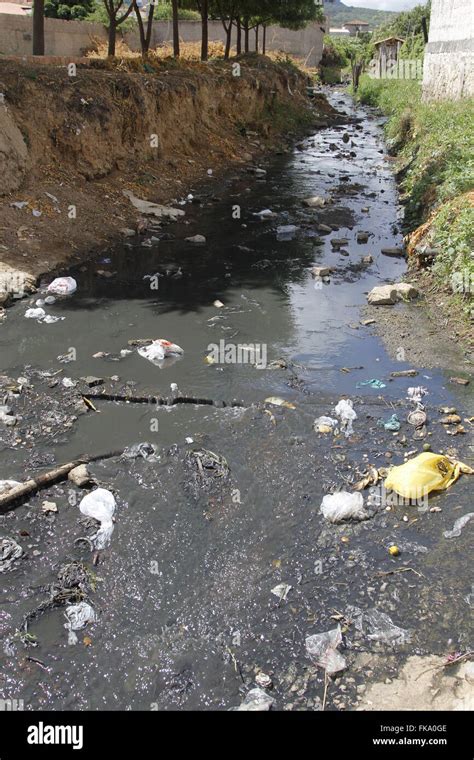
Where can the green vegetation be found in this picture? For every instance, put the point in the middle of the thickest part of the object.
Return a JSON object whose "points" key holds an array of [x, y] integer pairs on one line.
{"points": [[408, 26], [68, 9], [434, 143]]}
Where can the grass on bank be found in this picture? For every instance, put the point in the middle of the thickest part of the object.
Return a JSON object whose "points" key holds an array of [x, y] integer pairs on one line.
{"points": [[434, 143]]}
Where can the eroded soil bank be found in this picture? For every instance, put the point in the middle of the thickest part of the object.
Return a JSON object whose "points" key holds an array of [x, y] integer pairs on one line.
{"points": [[70, 145]]}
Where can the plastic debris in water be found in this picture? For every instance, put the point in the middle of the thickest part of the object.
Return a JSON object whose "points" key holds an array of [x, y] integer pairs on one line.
{"points": [[256, 700], [281, 591], [347, 415], [340, 506], [277, 401], [426, 472], [78, 616], [322, 650], [393, 423], [460, 523], [373, 383], [100, 504], [157, 351], [378, 626], [416, 394], [10, 551]]}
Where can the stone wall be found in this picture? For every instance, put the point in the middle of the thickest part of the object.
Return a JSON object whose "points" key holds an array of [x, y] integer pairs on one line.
{"points": [[449, 55], [74, 38]]}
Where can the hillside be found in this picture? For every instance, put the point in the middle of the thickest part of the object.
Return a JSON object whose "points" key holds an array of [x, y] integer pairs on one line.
{"points": [[339, 14]]}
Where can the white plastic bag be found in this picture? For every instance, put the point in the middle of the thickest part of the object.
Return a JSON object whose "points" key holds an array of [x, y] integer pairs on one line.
{"points": [[63, 286], [340, 506], [100, 504], [77, 616], [159, 350], [347, 415], [322, 650], [38, 313]]}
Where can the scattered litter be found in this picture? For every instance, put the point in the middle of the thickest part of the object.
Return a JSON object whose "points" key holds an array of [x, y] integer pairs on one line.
{"points": [[78, 616], [159, 349], [63, 286], [460, 523], [404, 373], [36, 212], [416, 394], [345, 411], [196, 239], [10, 551], [19, 204], [417, 418], [393, 423], [425, 473], [38, 313], [266, 213], [322, 650], [378, 626], [256, 700], [100, 504], [218, 304], [145, 450], [325, 425], [49, 506], [50, 320], [459, 380], [263, 681], [282, 591], [315, 202], [174, 387], [286, 231], [394, 551], [146, 207], [340, 506], [68, 383], [374, 383], [188, 439], [277, 401]]}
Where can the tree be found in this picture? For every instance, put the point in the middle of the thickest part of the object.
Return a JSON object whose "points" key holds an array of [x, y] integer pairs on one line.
{"points": [[145, 34], [68, 9], [175, 10], [113, 8], [38, 27]]}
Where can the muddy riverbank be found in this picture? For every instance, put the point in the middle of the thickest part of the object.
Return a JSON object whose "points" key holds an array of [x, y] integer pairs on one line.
{"points": [[191, 594]]}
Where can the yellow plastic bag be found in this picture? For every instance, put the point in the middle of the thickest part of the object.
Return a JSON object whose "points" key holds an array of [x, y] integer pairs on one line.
{"points": [[426, 472]]}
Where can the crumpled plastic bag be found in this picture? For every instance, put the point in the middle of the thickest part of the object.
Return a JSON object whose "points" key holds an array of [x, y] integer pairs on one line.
{"points": [[10, 551], [340, 506], [159, 350], [325, 425], [378, 626], [63, 286], [100, 504], [460, 523], [77, 616], [425, 473], [347, 415], [322, 650], [257, 700]]}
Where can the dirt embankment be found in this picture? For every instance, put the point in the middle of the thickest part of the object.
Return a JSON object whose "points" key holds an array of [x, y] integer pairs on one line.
{"points": [[70, 145]]}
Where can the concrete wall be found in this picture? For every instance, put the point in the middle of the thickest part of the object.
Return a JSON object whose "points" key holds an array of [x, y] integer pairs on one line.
{"points": [[449, 55], [74, 38]]}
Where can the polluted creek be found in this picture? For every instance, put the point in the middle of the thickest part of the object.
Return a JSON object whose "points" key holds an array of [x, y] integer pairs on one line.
{"points": [[203, 504]]}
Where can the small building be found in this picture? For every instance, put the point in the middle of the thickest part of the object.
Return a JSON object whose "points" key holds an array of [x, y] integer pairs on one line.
{"points": [[387, 52], [339, 32], [356, 27]]}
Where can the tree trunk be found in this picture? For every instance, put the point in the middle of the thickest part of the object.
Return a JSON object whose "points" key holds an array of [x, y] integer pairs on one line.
{"points": [[38, 27], [264, 40], [112, 38], [228, 39], [246, 35], [239, 36], [205, 30], [256, 38], [174, 4]]}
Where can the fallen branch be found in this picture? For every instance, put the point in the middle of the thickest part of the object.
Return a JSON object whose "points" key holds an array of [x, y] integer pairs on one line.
{"points": [[16, 495]]}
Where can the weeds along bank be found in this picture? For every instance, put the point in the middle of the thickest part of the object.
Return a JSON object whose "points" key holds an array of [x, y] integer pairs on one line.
{"points": [[70, 145], [434, 148]]}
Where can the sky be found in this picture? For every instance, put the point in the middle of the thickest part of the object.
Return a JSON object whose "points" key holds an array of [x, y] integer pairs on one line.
{"points": [[383, 5]]}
